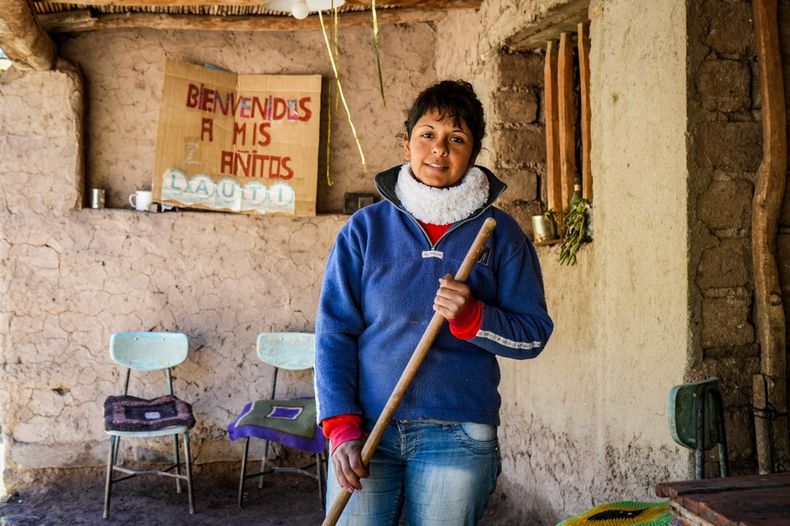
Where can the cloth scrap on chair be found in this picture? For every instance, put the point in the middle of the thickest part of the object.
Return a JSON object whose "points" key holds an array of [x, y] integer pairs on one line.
{"points": [[129, 413], [295, 417], [624, 513], [289, 422]]}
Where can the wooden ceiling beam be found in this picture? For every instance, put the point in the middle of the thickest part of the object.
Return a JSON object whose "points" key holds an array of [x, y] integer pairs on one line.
{"points": [[21, 37], [559, 19], [78, 21], [427, 4], [422, 4]]}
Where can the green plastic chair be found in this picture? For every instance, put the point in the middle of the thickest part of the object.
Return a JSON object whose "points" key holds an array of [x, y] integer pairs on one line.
{"points": [[288, 422], [132, 417], [696, 421]]}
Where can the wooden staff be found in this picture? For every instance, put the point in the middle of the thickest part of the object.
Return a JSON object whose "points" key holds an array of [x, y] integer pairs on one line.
{"points": [[417, 357], [770, 386]]}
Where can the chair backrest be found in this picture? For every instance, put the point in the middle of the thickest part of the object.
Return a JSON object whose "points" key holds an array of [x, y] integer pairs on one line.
{"points": [[684, 409], [149, 351], [287, 350]]}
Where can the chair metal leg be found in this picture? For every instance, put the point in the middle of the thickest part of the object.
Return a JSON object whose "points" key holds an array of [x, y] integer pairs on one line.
{"points": [[263, 462], [115, 448], [724, 464], [699, 453], [188, 460], [108, 481], [319, 474], [178, 462], [243, 471]]}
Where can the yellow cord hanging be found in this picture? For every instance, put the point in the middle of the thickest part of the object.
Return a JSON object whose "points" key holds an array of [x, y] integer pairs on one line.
{"points": [[342, 95]]}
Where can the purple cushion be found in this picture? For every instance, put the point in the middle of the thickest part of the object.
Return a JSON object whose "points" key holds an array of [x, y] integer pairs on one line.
{"points": [[129, 413], [315, 444]]}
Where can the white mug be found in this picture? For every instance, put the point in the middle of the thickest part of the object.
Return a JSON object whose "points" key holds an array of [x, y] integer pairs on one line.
{"points": [[141, 200]]}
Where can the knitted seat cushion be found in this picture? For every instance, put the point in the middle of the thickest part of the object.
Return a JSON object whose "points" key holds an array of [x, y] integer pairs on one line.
{"points": [[625, 513], [129, 413], [289, 422]]}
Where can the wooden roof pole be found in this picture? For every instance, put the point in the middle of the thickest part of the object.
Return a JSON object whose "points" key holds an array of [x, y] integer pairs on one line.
{"points": [[770, 386], [553, 188], [22, 39], [584, 82], [84, 20], [565, 105]]}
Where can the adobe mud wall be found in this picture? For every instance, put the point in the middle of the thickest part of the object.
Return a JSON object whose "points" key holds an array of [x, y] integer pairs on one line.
{"points": [[70, 277]]}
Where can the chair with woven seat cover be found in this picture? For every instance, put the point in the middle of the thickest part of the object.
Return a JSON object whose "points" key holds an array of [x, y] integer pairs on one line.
{"points": [[291, 422], [132, 417]]}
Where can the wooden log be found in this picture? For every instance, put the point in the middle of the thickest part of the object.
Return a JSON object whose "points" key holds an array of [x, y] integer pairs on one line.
{"points": [[769, 191], [762, 426], [431, 4], [71, 22], [549, 25], [21, 37], [566, 135], [553, 186], [422, 4], [583, 39]]}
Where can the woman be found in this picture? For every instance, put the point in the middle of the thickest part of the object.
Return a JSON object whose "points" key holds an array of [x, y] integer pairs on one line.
{"points": [[390, 265]]}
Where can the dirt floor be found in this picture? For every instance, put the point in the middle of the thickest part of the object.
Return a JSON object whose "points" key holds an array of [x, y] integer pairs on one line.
{"points": [[285, 499]]}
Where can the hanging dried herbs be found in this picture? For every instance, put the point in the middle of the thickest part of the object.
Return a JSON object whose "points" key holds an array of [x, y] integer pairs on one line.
{"points": [[576, 228]]}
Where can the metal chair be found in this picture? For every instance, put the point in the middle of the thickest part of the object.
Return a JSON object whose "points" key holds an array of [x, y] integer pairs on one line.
{"points": [[696, 421], [129, 416], [291, 422]]}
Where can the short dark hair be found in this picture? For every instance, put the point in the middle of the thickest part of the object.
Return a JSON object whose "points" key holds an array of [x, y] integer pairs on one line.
{"points": [[454, 98]]}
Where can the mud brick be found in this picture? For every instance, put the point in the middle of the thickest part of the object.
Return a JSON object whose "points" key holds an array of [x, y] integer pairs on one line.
{"points": [[726, 321], [517, 107], [726, 205], [526, 145], [724, 85], [729, 145], [731, 27], [726, 265], [521, 70]]}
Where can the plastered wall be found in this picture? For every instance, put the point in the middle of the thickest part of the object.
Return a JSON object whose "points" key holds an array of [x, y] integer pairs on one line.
{"points": [[70, 277], [586, 421]]}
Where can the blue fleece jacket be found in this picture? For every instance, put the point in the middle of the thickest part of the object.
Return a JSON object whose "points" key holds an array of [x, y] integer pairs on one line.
{"points": [[377, 299]]}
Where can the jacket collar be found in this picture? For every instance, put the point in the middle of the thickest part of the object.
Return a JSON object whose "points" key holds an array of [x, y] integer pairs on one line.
{"points": [[386, 180]]}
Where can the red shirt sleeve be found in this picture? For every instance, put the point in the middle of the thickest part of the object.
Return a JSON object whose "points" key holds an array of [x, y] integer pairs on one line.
{"points": [[466, 325], [342, 428]]}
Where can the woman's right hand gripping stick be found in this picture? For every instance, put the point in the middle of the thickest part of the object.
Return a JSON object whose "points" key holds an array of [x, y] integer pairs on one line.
{"points": [[347, 462]]}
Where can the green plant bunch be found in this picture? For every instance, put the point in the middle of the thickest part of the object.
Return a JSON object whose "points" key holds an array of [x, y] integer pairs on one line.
{"points": [[551, 215], [576, 231]]}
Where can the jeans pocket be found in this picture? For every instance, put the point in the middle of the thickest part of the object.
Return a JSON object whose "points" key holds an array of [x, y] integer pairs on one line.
{"points": [[479, 438]]}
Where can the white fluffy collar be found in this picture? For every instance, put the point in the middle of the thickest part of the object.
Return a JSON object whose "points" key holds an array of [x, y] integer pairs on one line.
{"points": [[442, 206]]}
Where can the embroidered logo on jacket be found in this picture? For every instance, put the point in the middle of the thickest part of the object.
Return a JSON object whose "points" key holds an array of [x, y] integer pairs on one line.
{"points": [[432, 254], [484, 256]]}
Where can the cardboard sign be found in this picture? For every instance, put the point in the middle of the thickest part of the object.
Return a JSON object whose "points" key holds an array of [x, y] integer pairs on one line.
{"points": [[238, 143]]}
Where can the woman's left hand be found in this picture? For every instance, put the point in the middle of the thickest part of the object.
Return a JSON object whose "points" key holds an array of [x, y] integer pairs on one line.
{"points": [[452, 297]]}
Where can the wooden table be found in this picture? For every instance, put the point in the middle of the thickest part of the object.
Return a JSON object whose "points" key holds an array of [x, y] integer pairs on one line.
{"points": [[757, 500]]}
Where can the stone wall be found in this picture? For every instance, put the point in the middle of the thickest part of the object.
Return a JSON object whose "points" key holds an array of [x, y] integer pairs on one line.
{"points": [[519, 133], [70, 276], [725, 150]]}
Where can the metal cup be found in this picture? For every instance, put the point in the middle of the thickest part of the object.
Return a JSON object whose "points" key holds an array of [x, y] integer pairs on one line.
{"points": [[97, 197], [543, 228]]}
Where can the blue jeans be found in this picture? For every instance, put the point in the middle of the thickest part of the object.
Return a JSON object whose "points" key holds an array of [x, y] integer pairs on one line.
{"points": [[442, 472]]}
